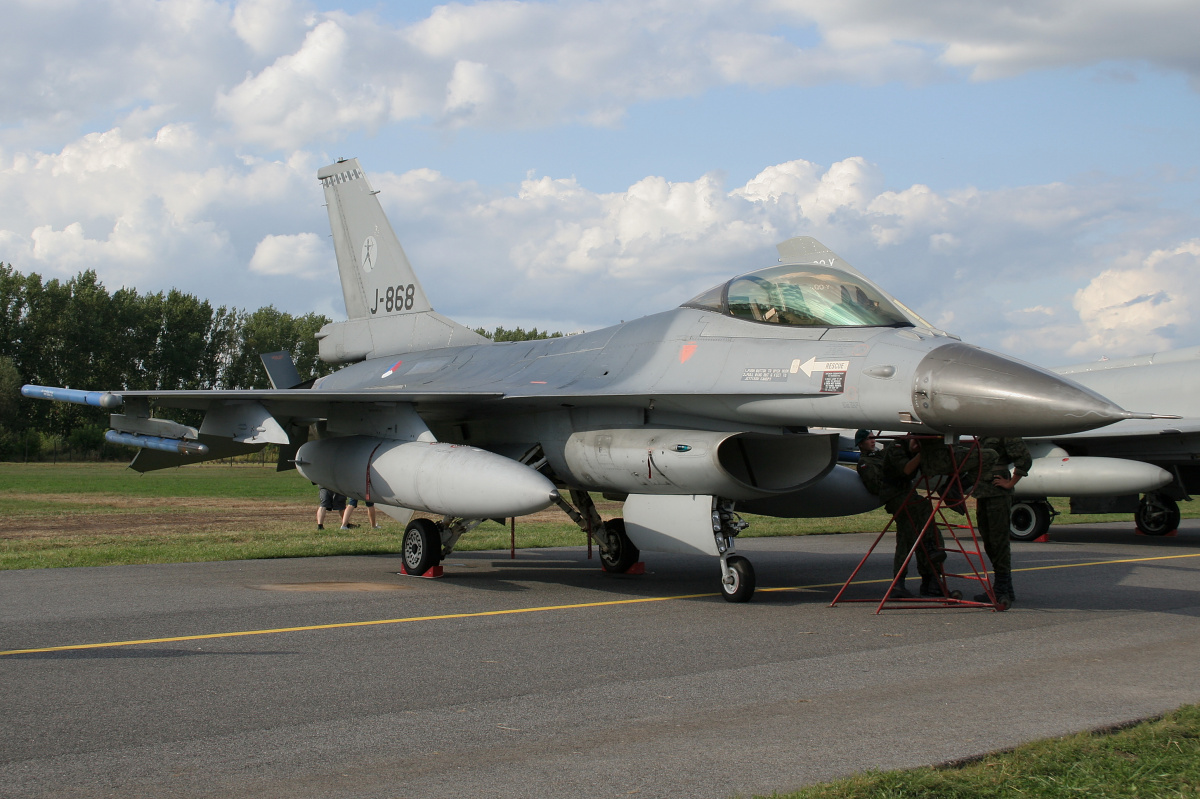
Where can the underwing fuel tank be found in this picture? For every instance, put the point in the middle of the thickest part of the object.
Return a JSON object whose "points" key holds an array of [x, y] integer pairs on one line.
{"points": [[1061, 475], [435, 477], [959, 388]]}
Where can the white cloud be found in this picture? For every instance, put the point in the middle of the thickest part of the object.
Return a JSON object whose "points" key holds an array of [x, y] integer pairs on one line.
{"points": [[270, 27], [1142, 309], [154, 212], [170, 144], [280, 74], [1017, 269], [303, 255]]}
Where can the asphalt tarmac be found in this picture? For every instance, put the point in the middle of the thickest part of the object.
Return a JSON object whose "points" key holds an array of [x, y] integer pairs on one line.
{"points": [[335, 677]]}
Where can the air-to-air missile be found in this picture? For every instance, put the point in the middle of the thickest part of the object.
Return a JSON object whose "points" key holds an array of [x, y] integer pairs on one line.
{"points": [[97, 399], [159, 443]]}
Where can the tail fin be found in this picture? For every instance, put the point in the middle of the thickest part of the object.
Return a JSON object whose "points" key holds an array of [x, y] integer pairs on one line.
{"points": [[388, 310], [377, 279]]}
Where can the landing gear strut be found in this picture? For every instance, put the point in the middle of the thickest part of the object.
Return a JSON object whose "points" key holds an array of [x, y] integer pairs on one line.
{"points": [[737, 575]]}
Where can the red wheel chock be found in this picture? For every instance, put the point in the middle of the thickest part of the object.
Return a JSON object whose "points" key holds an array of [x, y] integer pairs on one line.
{"points": [[436, 571], [637, 568], [1171, 534]]}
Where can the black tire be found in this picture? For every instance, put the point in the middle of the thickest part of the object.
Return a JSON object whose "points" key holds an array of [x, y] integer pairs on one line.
{"points": [[1029, 520], [1157, 515], [743, 580], [621, 554], [422, 546]]}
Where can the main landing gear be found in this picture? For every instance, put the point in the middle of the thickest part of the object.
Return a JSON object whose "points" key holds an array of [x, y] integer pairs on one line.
{"points": [[426, 542], [422, 546], [1157, 514], [1029, 519], [617, 553]]}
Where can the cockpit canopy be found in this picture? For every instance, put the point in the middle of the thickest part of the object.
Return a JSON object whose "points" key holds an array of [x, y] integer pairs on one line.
{"points": [[802, 295]]}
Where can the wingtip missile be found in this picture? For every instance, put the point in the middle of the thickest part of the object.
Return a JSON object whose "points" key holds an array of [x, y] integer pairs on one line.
{"points": [[97, 399]]}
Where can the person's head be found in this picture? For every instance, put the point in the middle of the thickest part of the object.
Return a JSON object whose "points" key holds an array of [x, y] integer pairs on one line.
{"points": [[865, 440]]}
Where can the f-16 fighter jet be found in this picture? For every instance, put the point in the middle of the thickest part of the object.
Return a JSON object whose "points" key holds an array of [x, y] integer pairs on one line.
{"points": [[689, 416]]}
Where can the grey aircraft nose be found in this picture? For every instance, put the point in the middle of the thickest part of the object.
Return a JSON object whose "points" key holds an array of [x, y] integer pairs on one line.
{"points": [[958, 388]]}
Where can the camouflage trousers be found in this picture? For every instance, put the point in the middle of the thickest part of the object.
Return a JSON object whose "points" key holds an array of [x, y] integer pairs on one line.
{"points": [[992, 519], [911, 517]]}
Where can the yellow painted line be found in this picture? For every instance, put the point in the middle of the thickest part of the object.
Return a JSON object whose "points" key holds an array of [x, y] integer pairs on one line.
{"points": [[1106, 562], [341, 625], [513, 611]]}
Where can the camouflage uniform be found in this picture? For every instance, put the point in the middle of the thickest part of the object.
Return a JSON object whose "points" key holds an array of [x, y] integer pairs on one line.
{"points": [[882, 473], [994, 504], [936, 459]]}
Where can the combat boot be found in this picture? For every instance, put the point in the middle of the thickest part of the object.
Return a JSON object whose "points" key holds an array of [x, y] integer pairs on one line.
{"points": [[931, 587], [1003, 589]]}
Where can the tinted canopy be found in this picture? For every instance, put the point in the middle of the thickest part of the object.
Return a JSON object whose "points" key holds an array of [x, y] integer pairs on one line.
{"points": [[802, 295]]}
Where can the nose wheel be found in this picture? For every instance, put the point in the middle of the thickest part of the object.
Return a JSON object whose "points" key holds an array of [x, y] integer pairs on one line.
{"points": [[737, 580]]}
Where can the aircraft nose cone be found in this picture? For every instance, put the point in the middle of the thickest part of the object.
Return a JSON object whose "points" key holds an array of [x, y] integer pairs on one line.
{"points": [[958, 388]]}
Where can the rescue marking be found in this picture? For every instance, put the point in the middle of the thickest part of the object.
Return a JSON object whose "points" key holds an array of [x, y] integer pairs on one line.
{"points": [[515, 611], [813, 365]]}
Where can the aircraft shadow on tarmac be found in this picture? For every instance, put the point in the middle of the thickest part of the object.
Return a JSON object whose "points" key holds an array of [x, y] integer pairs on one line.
{"points": [[1116, 534]]}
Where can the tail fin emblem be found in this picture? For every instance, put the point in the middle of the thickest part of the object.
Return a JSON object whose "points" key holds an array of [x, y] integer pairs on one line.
{"points": [[368, 254]]}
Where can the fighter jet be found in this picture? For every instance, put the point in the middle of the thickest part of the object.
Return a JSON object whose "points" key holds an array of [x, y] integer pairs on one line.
{"points": [[1104, 470], [689, 416]]}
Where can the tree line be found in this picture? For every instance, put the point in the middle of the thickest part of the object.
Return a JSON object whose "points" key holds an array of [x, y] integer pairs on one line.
{"points": [[77, 334]]}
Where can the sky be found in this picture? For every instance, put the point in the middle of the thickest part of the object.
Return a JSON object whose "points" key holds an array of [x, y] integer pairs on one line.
{"points": [[1024, 174]]}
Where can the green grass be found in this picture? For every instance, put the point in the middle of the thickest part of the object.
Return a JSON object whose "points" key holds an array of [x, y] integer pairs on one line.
{"points": [[1158, 758], [93, 514], [203, 480]]}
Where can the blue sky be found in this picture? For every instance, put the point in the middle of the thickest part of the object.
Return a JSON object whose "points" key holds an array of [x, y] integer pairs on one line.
{"points": [[1025, 175]]}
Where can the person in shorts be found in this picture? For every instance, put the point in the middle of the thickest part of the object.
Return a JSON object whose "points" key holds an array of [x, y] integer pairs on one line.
{"points": [[330, 501], [351, 504]]}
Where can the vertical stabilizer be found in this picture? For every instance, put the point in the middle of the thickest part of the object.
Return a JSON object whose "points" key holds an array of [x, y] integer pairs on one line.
{"points": [[387, 308], [377, 279]]}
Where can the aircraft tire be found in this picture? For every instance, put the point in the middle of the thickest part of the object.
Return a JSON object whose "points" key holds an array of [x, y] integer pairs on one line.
{"points": [[1157, 515], [622, 554], [422, 546], [743, 580], [1029, 520]]}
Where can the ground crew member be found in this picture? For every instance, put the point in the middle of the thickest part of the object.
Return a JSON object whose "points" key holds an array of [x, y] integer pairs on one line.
{"points": [[888, 474], [993, 506]]}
